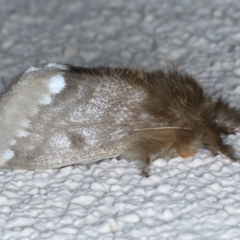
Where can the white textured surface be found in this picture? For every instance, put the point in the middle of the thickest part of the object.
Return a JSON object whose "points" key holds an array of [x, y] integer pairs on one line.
{"points": [[198, 198]]}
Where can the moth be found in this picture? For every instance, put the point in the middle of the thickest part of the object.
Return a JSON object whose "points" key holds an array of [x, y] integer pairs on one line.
{"points": [[55, 115]]}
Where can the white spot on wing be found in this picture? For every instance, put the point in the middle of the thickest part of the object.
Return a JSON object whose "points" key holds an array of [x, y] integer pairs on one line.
{"points": [[7, 154], [12, 142], [60, 141], [22, 133], [56, 65], [57, 83], [45, 100], [32, 69], [89, 136], [25, 123]]}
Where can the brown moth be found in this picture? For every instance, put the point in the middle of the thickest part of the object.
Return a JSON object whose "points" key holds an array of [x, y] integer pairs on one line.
{"points": [[56, 115]]}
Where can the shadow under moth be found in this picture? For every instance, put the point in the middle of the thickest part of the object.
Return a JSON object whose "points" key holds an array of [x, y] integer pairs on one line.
{"points": [[56, 115]]}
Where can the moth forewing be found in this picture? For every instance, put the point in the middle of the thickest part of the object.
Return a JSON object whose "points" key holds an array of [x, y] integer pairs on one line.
{"points": [[55, 116]]}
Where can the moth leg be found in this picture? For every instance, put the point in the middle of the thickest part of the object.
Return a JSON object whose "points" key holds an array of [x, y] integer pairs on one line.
{"points": [[145, 167], [162, 143], [145, 150]]}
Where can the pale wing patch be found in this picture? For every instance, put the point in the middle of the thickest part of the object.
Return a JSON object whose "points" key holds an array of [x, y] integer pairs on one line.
{"points": [[90, 136], [60, 141], [50, 65], [33, 111], [13, 142], [57, 83], [56, 65], [32, 69], [6, 155], [25, 123], [22, 133], [34, 88], [45, 100]]}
